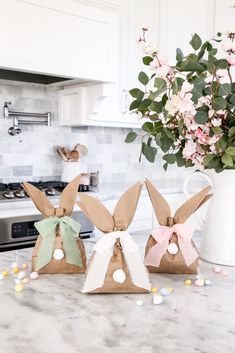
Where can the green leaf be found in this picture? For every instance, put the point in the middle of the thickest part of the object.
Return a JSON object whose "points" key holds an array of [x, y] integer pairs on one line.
{"points": [[136, 92], [201, 54], [165, 166], [232, 99], [134, 105], [217, 130], [159, 83], [156, 107], [208, 158], [149, 152], [224, 89], [191, 66], [145, 104], [179, 159], [147, 60], [231, 132], [196, 41], [147, 126], [221, 64], [227, 160], [201, 117], [143, 78], [219, 103], [131, 136], [230, 150], [169, 134], [179, 55], [170, 158]]}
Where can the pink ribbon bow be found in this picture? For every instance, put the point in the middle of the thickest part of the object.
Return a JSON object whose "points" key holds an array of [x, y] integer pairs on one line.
{"points": [[163, 235]]}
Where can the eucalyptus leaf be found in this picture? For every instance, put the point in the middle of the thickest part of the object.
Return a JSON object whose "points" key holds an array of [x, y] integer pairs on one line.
{"points": [[196, 41], [143, 78], [131, 136], [219, 103], [201, 117]]}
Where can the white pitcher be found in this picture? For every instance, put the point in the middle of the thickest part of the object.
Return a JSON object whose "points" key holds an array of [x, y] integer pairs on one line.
{"points": [[218, 243]]}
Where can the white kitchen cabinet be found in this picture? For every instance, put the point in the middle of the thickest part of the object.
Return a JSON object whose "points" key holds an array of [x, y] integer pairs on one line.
{"points": [[76, 39], [111, 106]]}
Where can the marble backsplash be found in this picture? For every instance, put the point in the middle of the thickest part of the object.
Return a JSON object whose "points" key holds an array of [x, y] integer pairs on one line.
{"points": [[36, 158]]}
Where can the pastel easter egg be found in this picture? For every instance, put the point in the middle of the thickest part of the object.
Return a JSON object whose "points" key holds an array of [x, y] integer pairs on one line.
{"points": [[199, 282], [139, 302], [19, 287], [157, 299], [33, 275], [21, 275]]}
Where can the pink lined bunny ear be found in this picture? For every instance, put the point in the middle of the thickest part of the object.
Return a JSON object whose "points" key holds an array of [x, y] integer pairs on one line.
{"points": [[126, 207], [96, 212], [192, 204], [160, 205], [68, 196], [40, 200]]}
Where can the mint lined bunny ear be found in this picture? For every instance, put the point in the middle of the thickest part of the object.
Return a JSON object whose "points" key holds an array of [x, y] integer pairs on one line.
{"points": [[96, 212], [126, 207], [69, 194], [192, 204], [40, 200], [160, 205]]}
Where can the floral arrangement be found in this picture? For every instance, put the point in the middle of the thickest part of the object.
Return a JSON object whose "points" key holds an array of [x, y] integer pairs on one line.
{"points": [[188, 108]]}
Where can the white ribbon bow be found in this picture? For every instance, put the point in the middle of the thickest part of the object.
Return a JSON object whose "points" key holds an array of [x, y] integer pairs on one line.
{"points": [[103, 253]]}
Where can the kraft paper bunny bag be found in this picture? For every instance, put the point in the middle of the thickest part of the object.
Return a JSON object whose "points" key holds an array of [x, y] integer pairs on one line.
{"points": [[170, 248], [58, 248], [116, 265]]}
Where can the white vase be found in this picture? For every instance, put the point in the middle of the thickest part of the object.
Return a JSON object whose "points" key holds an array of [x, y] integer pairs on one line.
{"points": [[218, 243]]}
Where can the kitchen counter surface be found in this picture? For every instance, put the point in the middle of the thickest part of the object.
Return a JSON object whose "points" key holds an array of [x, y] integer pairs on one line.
{"points": [[51, 315]]}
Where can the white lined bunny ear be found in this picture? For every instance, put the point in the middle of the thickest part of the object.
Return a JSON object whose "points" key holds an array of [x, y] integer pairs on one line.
{"points": [[69, 194], [96, 212], [40, 200], [160, 205], [192, 204], [126, 207]]}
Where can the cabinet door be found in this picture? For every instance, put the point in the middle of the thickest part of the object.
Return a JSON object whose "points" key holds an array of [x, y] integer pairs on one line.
{"points": [[135, 15], [60, 37], [179, 20]]}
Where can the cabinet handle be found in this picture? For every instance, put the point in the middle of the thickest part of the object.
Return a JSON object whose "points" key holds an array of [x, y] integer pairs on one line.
{"points": [[125, 101]]}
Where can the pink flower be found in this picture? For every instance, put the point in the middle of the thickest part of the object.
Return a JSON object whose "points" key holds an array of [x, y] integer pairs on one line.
{"points": [[162, 71], [189, 149], [190, 123], [221, 72], [231, 60], [216, 122], [147, 49], [172, 105], [187, 105], [154, 64], [186, 87]]}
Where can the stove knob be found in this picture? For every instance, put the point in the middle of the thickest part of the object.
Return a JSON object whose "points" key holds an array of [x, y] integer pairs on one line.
{"points": [[8, 194], [50, 191], [20, 193]]}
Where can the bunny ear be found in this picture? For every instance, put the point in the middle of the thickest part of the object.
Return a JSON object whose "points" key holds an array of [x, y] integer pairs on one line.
{"points": [[160, 205], [96, 212], [191, 205], [40, 200], [126, 206], [69, 194]]}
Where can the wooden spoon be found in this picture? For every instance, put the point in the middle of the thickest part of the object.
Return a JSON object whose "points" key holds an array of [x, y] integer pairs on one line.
{"points": [[61, 154], [74, 155]]}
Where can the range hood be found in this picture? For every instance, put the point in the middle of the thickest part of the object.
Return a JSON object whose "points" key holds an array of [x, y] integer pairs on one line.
{"points": [[22, 76]]}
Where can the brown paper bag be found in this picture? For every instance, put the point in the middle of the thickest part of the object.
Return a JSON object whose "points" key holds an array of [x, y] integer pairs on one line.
{"points": [[173, 263], [67, 201], [114, 228]]}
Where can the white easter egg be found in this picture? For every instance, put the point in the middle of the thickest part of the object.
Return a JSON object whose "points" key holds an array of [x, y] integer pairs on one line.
{"points": [[119, 276], [21, 275], [58, 254]]}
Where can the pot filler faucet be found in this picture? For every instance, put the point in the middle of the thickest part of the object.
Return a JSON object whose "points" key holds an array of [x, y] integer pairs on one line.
{"points": [[20, 118]]}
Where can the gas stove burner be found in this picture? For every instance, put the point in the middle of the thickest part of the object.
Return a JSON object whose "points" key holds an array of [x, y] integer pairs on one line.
{"points": [[50, 191], [20, 193], [8, 194], [3, 187]]}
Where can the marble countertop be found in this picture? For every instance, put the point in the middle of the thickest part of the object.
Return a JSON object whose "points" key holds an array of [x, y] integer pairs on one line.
{"points": [[51, 315]]}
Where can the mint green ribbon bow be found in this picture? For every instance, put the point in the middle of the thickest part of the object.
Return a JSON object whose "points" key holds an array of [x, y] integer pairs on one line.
{"points": [[69, 230]]}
